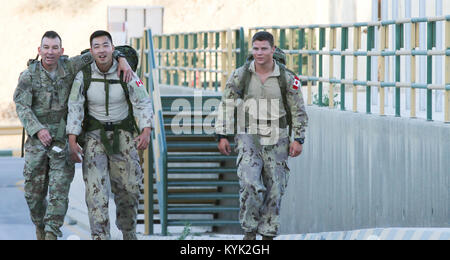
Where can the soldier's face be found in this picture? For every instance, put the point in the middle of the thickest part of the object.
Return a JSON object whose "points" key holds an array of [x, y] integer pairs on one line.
{"points": [[50, 51], [102, 50], [262, 52]]}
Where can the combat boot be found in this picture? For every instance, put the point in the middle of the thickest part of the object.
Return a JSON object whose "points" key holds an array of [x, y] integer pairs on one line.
{"points": [[40, 233], [250, 236], [50, 236], [267, 237], [129, 235]]}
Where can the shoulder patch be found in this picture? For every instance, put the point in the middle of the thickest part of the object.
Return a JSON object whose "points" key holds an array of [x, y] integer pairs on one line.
{"points": [[296, 83], [139, 83], [137, 86]]}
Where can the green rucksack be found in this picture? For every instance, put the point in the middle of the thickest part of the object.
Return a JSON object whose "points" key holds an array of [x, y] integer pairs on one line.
{"points": [[280, 58], [130, 54]]}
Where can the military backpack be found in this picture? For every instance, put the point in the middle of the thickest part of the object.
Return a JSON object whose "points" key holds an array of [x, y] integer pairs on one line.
{"points": [[128, 124], [280, 58]]}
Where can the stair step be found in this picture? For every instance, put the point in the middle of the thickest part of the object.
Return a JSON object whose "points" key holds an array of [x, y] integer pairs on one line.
{"points": [[194, 101], [207, 145], [192, 145], [197, 222], [189, 113], [194, 182], [168, 120], [190, 133], [141, 221], [182, 170], [200, 209], [195, 196], [200, 158]]}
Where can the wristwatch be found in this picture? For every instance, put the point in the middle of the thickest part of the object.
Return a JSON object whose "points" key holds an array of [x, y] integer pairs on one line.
{"points": [[218, 137], [117, 54], [300, 140]]}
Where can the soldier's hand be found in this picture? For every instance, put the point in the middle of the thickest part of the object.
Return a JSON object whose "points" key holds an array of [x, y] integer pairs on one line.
{"points": [[75, 150], [295, 149], [224, 146], [144, 139], [126, 69], [45, 137]]}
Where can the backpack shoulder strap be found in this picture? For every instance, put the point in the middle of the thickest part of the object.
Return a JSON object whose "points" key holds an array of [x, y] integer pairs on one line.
{"points": [[35, 73], [283, 82], [87, 77], [130, 106], [244, 79]]}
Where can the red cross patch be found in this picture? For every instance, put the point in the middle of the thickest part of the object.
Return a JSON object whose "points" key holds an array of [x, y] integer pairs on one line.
{"points": [[139, 83], [297, 84]]}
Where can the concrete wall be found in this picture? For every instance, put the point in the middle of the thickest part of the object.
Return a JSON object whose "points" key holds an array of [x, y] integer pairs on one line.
{"points": [[366, 171]]}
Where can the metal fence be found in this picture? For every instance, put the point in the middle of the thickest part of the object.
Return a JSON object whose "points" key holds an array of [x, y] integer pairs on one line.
{"points": [[336, 62], [199, 59], [301, 41]]}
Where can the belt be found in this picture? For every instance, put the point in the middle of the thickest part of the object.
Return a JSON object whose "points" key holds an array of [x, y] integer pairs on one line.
{"points": [[94, 124], [282, 122]]}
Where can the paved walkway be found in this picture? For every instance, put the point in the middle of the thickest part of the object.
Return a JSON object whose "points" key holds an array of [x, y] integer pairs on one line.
{"points": [[77, 215]]}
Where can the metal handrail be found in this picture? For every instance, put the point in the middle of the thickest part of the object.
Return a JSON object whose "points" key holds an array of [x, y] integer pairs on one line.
{"points": [[159, 144], [299, 43]]}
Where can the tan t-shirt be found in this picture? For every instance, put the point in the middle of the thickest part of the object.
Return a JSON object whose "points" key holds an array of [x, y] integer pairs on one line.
{"points": [[265, 103]]}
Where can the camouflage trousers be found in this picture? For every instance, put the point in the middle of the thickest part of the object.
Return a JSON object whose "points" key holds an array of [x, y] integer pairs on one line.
{"points": [[47, 171], [121, 173], [263, 176]]}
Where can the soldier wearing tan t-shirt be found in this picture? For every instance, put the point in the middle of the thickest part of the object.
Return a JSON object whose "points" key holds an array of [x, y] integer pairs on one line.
{"points": [[269, 103]]}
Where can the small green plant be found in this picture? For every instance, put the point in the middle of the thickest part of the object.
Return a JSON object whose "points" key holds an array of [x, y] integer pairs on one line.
{"points": [[186, 231], [325, 100]]}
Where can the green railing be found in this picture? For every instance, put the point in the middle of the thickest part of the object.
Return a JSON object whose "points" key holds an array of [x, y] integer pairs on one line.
{"points": [[156, 163], [199, 59], [300, 41]]}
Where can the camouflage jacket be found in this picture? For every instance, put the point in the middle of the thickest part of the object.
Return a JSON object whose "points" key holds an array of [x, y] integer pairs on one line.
{"points": [[232, 97], [41, 101]]}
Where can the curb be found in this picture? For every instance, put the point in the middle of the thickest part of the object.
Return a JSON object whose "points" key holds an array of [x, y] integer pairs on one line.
{"points": [[376, 234], [10, 153]]}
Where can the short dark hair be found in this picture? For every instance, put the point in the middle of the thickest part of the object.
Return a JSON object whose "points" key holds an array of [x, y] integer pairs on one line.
{"points": [[100, 33], [263, 36], [51, 35]]}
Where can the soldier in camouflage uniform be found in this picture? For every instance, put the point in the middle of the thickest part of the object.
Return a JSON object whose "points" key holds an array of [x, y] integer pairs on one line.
{"points": [[111, 159], [41, 104], [267, 97]]}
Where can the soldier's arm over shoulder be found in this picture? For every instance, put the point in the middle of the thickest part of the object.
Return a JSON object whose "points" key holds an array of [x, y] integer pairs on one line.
{"points": [[297, 106], [142, 103], [79, 61], [23, 98], [75, 114]]}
